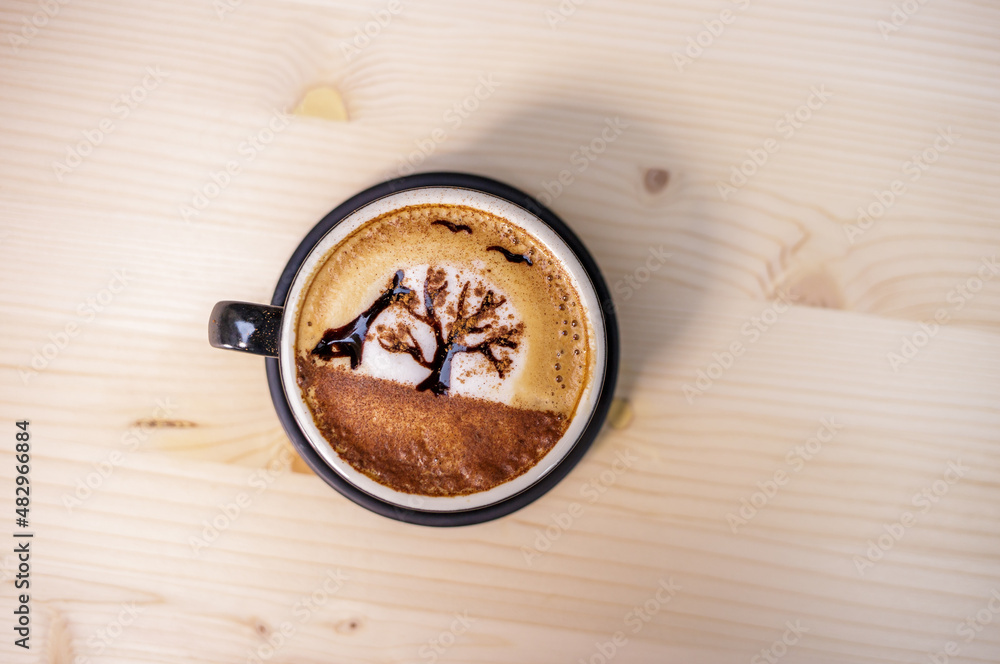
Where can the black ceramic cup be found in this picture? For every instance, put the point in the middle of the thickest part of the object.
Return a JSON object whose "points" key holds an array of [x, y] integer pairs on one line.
{"points": [[268, 330]]}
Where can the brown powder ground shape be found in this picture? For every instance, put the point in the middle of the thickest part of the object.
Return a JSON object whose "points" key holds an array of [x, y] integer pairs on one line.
{"points": [[421, 443]]}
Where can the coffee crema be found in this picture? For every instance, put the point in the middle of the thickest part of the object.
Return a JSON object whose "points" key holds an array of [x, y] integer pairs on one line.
{"points": [[442, 350]]}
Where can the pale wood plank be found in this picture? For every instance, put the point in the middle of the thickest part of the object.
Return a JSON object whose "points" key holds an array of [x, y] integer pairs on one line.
{"points": [[784, 231]]}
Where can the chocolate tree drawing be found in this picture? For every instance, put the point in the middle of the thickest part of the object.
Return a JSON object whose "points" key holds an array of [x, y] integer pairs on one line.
{"points": [[458, 326]]}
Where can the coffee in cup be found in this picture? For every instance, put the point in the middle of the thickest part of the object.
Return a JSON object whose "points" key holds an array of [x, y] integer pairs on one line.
{"points": [[442, 350]]}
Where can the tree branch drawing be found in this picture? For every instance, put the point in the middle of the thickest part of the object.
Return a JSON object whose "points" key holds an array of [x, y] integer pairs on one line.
{"points": [[454, 325], [349, 340]]}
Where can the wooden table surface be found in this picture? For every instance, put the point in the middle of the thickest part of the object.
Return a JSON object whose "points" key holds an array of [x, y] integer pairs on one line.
{"points": [[796, 206]]}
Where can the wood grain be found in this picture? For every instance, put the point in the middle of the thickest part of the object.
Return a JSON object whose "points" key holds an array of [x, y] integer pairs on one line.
{"points": [[195, 429]]}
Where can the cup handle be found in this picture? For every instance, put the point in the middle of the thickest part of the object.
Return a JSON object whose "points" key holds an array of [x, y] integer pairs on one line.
{"points": [[245, 326]]}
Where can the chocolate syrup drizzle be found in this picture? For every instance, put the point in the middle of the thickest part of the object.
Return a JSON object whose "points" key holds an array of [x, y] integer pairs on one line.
{"points": [[511, 256], [454, 228], [349, 340]]}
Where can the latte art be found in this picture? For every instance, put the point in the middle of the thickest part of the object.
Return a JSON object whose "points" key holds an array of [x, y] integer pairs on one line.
{"points": [[442, 350], [433, 317]]}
